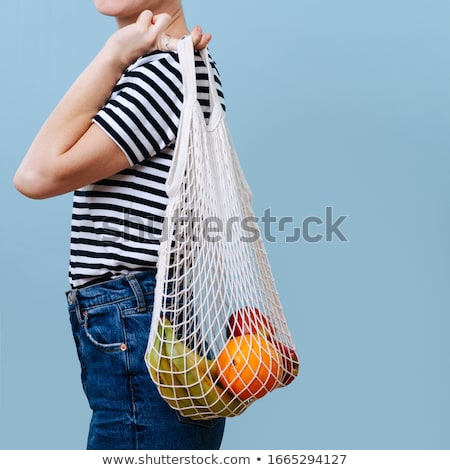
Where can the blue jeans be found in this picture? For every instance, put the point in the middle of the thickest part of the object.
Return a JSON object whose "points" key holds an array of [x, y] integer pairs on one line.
{"points": [[110, 323]]}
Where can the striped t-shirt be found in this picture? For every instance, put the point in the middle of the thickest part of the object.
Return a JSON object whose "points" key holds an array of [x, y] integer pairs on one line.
{"points": [[117, 222]]}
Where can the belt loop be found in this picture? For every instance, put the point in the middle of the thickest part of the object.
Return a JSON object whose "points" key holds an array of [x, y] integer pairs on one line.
{"points": [[134, 283], [72, 299]]}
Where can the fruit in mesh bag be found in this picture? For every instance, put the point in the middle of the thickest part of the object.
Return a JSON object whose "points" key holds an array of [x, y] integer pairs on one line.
{"points": [[186, 380], [290, 361], [249, 320], [249, 366]]}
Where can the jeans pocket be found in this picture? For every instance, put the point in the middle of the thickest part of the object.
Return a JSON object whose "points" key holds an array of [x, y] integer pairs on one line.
{"points": [[202, 423], [103, 327]]}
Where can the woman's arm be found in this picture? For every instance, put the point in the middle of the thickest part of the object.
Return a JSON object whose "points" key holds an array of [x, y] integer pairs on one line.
{"points": [[70, 151]]}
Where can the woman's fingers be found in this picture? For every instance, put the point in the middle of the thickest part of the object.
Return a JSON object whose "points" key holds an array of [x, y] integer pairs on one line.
{"points": [[168, 43], [145, 19], [159, 24], [196, 35], [156, 25], [206, 38], [199, 39]]}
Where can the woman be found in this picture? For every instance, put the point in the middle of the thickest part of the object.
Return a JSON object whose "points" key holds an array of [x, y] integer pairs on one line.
{"points": [[111, 140]]}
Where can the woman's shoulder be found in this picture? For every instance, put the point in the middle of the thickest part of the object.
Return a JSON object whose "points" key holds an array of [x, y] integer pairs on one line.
{"points": [[161, 71], [168, 58], [154, 58]]}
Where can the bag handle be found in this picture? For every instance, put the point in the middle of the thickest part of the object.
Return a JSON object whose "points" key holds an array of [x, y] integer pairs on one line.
{"points": [[213, 96], [187, 64], [187, 68]]}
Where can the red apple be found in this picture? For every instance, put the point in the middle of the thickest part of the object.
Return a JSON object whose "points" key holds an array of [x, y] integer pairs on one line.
{"points": [[291, 364], [249, 320]]}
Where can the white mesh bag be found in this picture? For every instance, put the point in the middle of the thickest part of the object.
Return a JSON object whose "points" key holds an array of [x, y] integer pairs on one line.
{"points": [[218, 339]]}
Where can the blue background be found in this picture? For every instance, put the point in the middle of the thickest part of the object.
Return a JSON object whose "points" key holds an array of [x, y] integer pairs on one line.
{"points": [[331, 103]]}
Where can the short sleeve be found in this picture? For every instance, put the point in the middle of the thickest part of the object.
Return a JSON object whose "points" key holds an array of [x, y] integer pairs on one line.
{"points": [[143, 112]]}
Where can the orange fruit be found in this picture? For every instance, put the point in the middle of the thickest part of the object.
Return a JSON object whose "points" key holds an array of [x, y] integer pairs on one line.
{"points": [[249, 366]]}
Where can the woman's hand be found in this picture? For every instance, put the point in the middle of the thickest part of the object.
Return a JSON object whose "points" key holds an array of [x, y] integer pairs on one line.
{"points": [[70, 151], [199, 39], [145, 35]]}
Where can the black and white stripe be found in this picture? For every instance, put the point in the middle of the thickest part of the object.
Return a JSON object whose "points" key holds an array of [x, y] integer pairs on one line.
{"points": [[117, 222]]}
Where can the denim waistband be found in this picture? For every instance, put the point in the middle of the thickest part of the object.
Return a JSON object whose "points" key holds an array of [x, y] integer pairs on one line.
{"points": [[136, 284]]}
